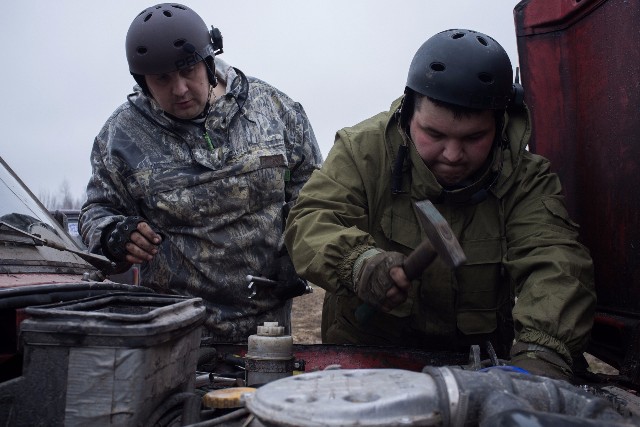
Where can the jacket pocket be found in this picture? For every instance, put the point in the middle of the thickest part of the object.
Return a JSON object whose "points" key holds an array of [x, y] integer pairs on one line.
{"points": [[557, 208], [479, 286], [189, 195], [402, 236], [266, 176], [477, 322]]}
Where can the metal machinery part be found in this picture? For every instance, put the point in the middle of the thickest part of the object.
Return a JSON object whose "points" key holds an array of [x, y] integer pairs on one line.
{"points": [[131, 351], [436, 397], [269, 355]]}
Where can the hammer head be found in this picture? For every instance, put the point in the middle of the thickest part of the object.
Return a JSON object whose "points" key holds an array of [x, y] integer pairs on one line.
{"points": [[440, 234]]}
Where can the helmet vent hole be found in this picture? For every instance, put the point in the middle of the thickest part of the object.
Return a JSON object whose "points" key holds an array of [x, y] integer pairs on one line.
{"points": [[141, 50], [456, 36], [482, 41], [437, 66], [179, 43], [486, 78], [146, 18], [167, 13]]}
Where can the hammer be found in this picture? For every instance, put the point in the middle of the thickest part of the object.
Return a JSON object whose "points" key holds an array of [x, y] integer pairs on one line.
{"points": [[440, 241]]}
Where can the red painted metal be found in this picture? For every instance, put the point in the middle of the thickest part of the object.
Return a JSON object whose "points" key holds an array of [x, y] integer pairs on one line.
{"points": [[321, 356], [580, 66], [317, 357]]}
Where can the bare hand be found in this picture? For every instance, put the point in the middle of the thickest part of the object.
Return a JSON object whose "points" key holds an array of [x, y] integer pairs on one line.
{"points": [[143, 244]]}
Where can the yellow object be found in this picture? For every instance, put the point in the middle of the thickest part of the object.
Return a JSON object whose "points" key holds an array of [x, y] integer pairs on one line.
{"points": [[226, 398]]}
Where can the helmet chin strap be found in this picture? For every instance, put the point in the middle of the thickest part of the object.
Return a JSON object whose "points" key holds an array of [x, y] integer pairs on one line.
{"points": [[471, 193], [403, 150], [207, 107]]}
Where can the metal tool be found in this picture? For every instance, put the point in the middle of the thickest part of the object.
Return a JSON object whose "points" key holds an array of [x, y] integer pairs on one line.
{"points": [[257, 280], [97, 261], [440, 241], [253, 280]]}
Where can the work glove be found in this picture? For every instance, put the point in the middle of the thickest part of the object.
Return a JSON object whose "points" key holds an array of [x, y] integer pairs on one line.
{"points": [[372, 281], [116, 237], [539, 360], [289, 285]]}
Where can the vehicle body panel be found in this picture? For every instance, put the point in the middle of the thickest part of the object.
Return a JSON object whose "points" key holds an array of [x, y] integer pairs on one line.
{"points": [[69, 219], [580, 70], [40, 263]]}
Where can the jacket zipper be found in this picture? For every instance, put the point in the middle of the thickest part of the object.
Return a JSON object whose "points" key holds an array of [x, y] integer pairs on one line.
{"points": [[208, 139]]}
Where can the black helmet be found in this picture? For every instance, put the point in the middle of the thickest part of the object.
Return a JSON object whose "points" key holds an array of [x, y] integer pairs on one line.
{"points": [[465, 68], [168, 37]]}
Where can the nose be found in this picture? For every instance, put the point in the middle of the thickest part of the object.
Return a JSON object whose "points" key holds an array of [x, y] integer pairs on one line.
{"points": [[453, 151], [179, 87]]}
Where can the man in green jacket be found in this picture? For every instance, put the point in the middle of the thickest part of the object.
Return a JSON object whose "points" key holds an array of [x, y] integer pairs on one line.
{"points": [[457, 137]]}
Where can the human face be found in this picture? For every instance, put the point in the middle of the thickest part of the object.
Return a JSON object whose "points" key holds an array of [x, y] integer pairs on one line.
{"points": [[453, 148], [181, 93]]}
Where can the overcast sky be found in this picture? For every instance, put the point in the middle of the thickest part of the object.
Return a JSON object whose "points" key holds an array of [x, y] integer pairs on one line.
{"points": [[64, 69]]}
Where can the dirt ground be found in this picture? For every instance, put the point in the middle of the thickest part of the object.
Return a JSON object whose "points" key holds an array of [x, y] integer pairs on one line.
{"points": [[305, 317], [307, 311]]}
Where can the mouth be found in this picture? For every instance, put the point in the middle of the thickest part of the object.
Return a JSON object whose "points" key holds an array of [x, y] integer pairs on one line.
{"points": [[184, 104], [451, 175]]}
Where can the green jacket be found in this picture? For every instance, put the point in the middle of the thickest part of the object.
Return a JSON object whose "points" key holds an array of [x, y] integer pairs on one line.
{"points": [[526, 273]]}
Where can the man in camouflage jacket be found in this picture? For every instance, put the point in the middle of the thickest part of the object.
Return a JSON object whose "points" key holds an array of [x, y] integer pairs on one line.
{"points": [[193, 176], [458, 138]]}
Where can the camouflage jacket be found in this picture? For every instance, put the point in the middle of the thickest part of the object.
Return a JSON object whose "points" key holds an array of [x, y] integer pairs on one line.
{"points": [[216, 192]]}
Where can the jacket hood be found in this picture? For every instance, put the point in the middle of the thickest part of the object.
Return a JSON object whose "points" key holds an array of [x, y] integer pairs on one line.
{"points": [[516, 133]]}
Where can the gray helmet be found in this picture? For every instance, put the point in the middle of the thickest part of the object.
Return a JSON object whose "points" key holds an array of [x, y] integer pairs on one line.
{"points": [[168, 37], [465, 68]]}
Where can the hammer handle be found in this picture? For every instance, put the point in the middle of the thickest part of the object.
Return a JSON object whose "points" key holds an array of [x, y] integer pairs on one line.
{"points": [[419, 259]]}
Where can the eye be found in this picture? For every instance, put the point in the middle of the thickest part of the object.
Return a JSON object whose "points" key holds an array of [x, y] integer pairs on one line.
{"points": [[434, 133], [474, 137], [161, 78], [186, 72]]}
